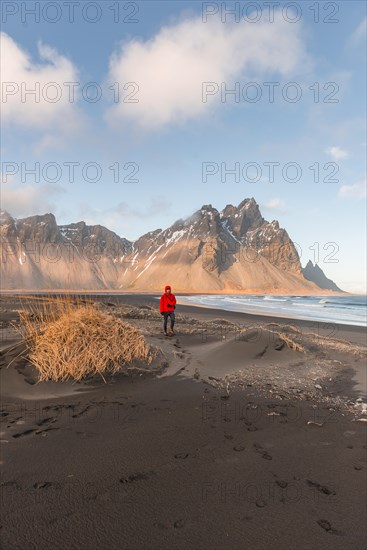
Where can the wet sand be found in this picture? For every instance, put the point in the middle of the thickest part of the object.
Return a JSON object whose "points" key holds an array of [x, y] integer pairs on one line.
{"points": [[239, 442]]}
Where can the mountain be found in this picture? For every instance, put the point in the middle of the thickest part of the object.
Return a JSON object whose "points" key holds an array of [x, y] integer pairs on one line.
{"points": [[315, 274], [39, 254], [234, 250]]}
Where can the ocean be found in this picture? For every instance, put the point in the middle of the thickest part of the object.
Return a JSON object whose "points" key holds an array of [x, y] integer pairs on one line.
{"points": [[347, 310]]}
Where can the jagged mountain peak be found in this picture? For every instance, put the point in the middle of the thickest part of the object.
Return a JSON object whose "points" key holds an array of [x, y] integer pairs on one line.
{"points": [[235, 249], [75, 224], [5, 217], [248, 203], [242, 218], [204, 223], [275, 224], [314, 273], [205, 211], [39, 218], [208, 208]]}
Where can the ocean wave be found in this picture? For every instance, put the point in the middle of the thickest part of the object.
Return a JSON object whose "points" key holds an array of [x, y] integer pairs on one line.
{"points": [[273, 299], [337, 309]]}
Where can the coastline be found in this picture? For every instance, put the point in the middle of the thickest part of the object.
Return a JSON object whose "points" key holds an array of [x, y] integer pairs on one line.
{"points": [[358, 333], [95, 292]]}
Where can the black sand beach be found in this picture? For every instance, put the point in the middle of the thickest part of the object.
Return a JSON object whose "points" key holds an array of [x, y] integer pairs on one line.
{"points": [[240, 442]]}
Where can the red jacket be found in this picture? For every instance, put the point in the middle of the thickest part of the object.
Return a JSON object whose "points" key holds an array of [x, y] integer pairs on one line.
{"points": [[168, 301]]}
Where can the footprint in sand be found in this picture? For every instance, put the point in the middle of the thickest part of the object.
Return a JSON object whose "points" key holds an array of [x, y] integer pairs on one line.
{"points": [[261, 353], [281, 483], [321, 488], [50, 419], [139, 476], [45, 485], [43, 433], [182, 455], [252, 429], [83, 411], [324, 524], [259, 449], [22, 434], [17, 420], [178, 524], [51, 408]]}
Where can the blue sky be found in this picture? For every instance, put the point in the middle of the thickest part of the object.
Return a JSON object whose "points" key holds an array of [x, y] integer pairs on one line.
{"points": [[168, 133]]}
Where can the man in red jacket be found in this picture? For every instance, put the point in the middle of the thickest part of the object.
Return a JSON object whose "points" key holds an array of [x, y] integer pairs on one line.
{"points": [[167, 307]]}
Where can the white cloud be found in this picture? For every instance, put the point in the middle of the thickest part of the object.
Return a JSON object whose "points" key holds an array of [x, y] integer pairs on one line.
{"points": [[337, 153], [49, 141], [275, 204], [359, 34], [171, 67], [20, 73], [355, 191], [119, 218], [30, 200]]}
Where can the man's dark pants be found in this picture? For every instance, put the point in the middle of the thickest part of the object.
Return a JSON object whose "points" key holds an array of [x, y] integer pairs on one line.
{"points": [[167, 314]]}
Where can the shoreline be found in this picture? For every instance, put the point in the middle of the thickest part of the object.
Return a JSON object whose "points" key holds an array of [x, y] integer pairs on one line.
{"points": [[149, 295], [275, 316], [183, 292], [206, 312]]}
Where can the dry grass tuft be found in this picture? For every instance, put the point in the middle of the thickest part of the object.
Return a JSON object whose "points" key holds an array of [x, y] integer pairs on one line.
{"points": [[290, 343], [70, 338]]}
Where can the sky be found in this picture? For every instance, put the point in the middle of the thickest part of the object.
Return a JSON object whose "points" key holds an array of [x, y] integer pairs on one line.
{"points": [[134, 114]]}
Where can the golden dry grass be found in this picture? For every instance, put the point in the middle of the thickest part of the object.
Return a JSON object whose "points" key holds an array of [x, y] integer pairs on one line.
{"points": [[292, 344], [71, 338]]}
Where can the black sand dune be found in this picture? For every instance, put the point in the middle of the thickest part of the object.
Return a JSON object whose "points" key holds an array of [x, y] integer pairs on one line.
{"points": [[240, 442]]}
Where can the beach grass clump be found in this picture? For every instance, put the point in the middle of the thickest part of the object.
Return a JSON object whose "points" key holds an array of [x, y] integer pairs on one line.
{"points": [[68, 338], [292, 344]]}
